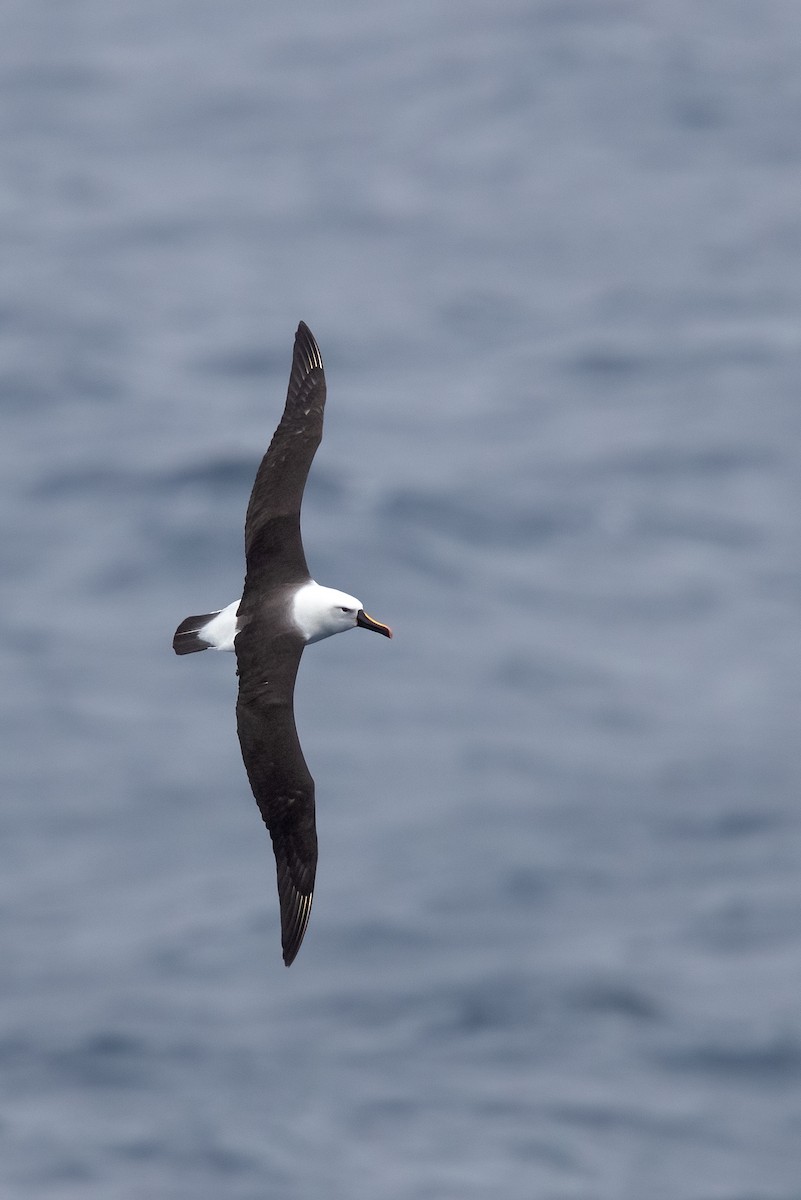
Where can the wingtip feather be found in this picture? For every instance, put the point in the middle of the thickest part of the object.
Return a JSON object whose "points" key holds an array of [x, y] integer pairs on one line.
{"points": [[306, 349], [295, 913]]}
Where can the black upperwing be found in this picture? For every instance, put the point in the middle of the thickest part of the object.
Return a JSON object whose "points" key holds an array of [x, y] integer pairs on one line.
{"points": [[273, 547], [268, 654], [279, 777]]}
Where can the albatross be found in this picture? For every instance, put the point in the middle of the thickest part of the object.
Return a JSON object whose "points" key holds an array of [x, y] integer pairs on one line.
{"points": [[282, 609]]}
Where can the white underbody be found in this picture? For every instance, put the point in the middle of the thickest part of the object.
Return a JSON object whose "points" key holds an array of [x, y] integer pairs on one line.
{"points": [[318, 612]]}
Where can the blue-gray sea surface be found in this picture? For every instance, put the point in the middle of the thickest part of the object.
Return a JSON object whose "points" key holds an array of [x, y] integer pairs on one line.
{"points": [[552, 254]]}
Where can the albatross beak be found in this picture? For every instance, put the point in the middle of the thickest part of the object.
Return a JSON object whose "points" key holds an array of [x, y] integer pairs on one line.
{"points": [[368, 623]]}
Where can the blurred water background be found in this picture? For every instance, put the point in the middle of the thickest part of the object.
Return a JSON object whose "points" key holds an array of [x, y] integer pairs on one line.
{"points": [[551, 252]]}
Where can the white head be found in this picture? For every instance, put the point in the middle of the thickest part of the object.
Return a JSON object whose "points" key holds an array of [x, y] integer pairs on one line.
{"points": [[320, 612]]}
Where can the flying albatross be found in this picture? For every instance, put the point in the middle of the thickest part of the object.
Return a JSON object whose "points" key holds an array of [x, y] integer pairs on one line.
{"points": [[282, 610]]}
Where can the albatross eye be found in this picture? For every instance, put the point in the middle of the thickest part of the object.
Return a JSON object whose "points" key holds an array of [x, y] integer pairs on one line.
{"points": [[344, 609]]}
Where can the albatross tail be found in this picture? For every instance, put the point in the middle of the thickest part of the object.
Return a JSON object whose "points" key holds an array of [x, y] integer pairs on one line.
{"points": [[209, 631], [189, 637]]}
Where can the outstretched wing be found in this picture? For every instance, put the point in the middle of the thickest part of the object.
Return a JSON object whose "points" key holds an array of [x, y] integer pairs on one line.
{"points": [[279, 777], [272, 523], [268, 655]]}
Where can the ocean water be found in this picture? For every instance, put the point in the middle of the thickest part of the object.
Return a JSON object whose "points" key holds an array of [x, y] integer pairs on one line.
{"points": [[550, 250]]}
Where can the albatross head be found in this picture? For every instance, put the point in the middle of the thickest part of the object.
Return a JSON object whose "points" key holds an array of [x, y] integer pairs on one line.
{"points": [[320, 612]]}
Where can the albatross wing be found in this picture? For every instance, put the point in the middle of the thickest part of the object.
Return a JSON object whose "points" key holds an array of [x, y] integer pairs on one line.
{"points": [[272, 523], [268, 646], [279, 777]]}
